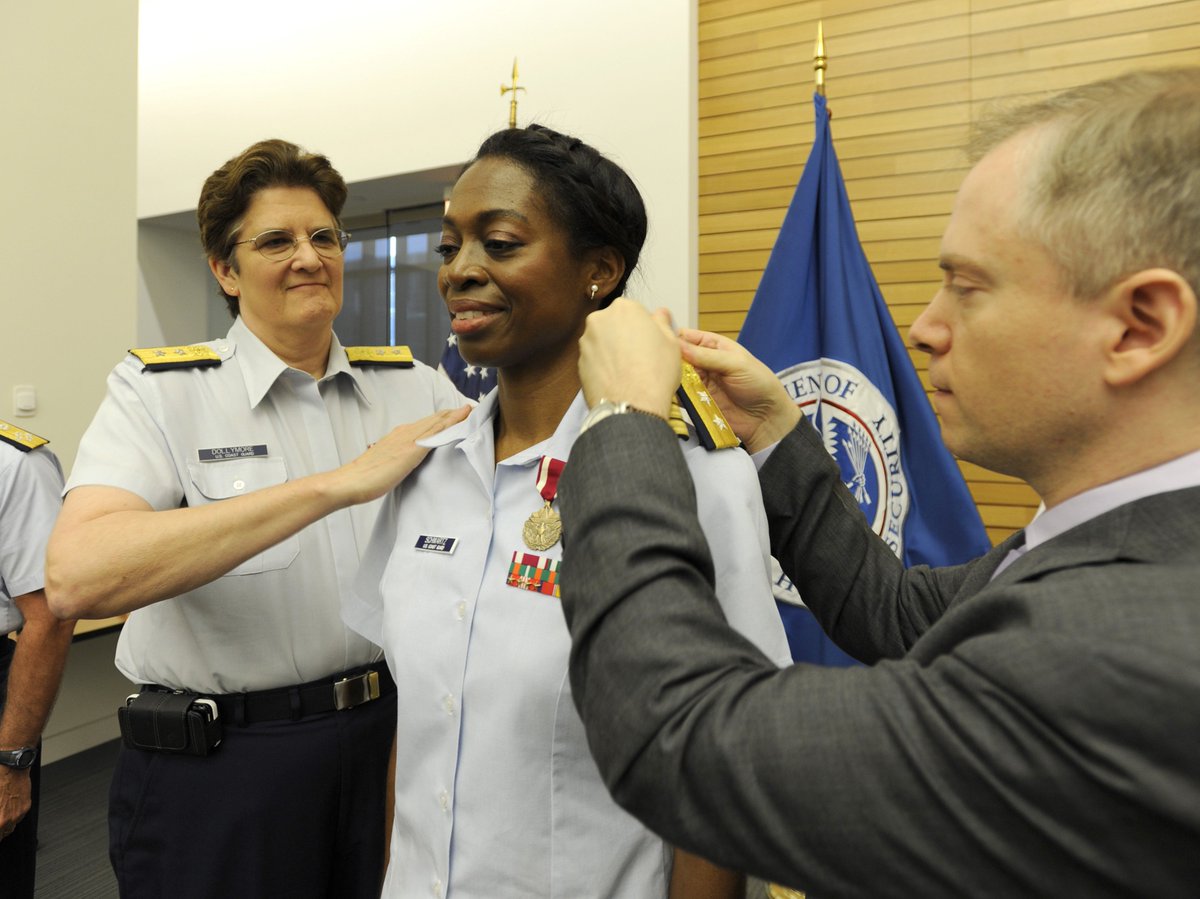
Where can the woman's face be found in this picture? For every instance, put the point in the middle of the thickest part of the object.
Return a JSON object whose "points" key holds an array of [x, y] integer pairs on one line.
{"points": [[515, 292], [295, 295]]}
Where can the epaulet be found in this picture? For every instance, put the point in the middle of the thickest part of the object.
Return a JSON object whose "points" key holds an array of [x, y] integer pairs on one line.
{"points": [[161, 358], [397, 356], [708, 420], [20, 438]]}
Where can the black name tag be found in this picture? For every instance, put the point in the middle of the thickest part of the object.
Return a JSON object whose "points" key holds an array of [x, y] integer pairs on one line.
{"points": [[220, 453], [431, 544]]}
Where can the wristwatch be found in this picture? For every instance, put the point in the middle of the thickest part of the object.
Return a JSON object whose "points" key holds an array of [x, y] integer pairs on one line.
{"points": [[17, 758], [605, 408]]}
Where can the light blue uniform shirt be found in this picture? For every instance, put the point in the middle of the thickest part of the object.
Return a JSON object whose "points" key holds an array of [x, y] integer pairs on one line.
{"points": [[30, 497], [496, 793], [201, 435]]}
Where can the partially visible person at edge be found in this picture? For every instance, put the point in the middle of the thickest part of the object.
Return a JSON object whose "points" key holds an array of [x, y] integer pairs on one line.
{"points": [[32, 667], [499, 797], [1030, 722], [223, 502]]}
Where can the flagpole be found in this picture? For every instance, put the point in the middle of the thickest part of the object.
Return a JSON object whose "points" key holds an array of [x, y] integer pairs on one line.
{"points": [[512, 88], [819, 59], [820, 63], [819, 321]]}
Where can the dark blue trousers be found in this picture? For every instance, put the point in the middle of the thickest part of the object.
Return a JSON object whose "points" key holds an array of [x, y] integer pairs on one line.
{"points": [[286, 808]]}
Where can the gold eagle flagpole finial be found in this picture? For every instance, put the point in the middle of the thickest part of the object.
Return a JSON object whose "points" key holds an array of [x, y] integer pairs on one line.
{"points": [[513, 88], [819, 59]]}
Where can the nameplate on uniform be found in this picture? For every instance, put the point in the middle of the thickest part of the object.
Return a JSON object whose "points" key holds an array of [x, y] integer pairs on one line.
{"points": [[712, 429], [399, 356], [431, 544], [20, 438], [160, 358], [220, 453], [534, 573]]}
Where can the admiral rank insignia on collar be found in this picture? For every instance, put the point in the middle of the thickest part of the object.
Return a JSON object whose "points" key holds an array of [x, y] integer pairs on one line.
{"points": [[707, 418], [20, 438], [161, 358], [396, 356]]}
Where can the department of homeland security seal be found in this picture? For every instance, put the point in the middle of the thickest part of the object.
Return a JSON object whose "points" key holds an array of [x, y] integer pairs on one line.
{"points": [[862, 434]]}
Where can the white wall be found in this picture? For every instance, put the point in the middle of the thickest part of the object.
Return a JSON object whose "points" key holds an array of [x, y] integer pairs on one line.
{"points": [[393, 86], [68, 302], [69, 297]]}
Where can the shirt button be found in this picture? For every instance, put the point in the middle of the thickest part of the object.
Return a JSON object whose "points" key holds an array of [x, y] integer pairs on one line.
{"points": [[239, 484], [444, 800], [460, 610], [448, 704], [437, 888]]}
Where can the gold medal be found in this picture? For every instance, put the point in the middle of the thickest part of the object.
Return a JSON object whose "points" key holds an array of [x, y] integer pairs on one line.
{"points": [[543, 529]]}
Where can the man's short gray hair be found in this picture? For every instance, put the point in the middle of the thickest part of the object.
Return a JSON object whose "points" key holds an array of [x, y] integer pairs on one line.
{"points": [[1117, 184]]}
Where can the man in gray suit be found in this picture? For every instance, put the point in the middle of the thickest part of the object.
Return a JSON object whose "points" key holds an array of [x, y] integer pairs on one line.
{"points": [[1030, 724]]}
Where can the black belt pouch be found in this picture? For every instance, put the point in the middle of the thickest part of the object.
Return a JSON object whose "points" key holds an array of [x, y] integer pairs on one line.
{"points": [[178, 723]]}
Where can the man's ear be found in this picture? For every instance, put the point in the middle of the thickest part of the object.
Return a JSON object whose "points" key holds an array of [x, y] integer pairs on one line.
{"points": [[1154, 317], [226, 276], [605, 270]]}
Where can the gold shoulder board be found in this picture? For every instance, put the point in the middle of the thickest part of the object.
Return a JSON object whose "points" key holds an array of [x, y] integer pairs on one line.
{"points": [[20, 438], [160, 358], [706, 416], [398, 356]]}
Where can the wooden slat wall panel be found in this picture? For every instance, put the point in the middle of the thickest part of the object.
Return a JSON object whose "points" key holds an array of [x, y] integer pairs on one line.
{"points": [[905, 80]]}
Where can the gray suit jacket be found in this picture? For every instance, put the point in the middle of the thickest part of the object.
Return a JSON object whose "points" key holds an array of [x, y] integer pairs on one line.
{"points": [[1034, 735]]}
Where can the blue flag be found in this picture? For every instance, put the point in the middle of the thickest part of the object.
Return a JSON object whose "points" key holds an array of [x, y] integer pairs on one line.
{"points": [[472, 381], [819, 321]]}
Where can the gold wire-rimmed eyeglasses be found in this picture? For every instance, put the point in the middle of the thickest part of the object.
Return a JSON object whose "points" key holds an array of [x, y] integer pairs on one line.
{"points": [[278, 245]]}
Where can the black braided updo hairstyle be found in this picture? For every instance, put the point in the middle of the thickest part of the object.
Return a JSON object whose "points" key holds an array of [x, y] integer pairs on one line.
{"points": [[588, 196]]}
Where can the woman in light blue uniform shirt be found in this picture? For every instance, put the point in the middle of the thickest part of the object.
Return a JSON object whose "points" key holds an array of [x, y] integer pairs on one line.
{"points": [[496, 793]]}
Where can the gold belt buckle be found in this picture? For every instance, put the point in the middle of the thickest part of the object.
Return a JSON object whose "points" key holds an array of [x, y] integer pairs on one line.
{"points": [[352, 691]]}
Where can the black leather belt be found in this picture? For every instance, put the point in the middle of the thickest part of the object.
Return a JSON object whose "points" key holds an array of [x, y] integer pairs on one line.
{"points": [[337, 693]]}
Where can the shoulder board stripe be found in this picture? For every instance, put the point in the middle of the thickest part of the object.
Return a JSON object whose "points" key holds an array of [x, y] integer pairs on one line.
{"points": [[706, 416], [397, 356], [677, 423], [160, 358], [20, 438]]}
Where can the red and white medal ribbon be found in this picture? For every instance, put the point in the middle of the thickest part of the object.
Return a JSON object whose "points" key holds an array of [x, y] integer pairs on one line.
{"points": [[544, 527]]}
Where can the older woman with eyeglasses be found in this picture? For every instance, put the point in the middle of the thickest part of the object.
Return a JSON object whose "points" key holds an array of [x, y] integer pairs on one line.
{"points": [[221, 496]]}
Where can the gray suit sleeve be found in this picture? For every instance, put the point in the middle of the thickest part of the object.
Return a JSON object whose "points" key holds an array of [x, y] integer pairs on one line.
{"points": [[850, 579], [970, 767]]}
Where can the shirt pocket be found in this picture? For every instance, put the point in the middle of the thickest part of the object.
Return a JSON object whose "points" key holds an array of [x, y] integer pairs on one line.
{"points": [[236, 477]]}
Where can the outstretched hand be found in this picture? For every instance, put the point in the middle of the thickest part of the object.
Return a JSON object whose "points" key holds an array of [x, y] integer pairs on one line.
{"points": [[392, 458], [751, 398]]}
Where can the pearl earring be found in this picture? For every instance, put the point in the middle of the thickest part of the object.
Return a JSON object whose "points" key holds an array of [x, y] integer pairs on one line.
{"points": [[595, 287]]}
